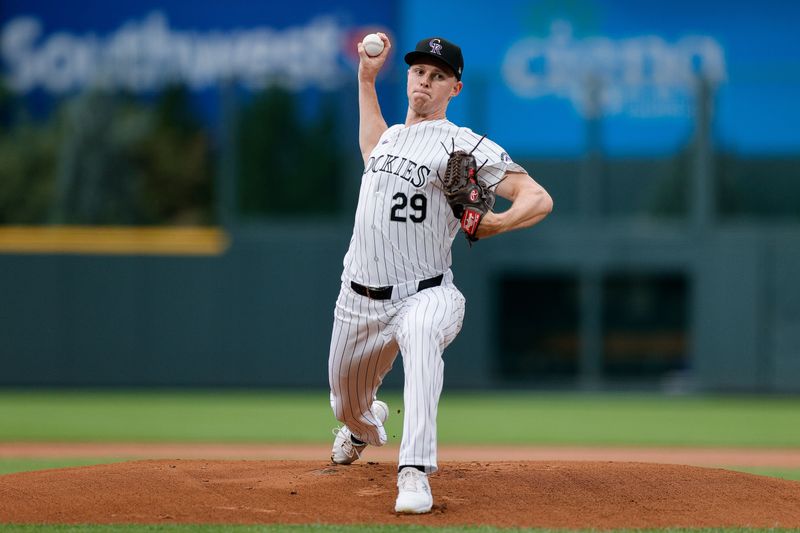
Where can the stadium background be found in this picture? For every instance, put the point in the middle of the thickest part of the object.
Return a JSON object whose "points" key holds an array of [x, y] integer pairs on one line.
{"points": [[177, 184]]}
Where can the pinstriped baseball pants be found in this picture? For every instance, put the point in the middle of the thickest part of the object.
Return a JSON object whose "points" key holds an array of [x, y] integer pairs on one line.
{"points": [[367, 335]]}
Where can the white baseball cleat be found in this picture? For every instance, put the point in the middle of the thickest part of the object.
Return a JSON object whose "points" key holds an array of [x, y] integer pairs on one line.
{"points": [[414, 492], [344, 450]]}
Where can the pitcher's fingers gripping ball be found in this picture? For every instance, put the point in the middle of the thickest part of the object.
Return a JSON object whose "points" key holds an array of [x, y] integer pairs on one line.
{"points": [[373, 44]]}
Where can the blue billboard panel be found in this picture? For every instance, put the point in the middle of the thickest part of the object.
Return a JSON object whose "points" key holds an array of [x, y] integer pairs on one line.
{"points": [[546, 67], [535, 70], [141, 46]]}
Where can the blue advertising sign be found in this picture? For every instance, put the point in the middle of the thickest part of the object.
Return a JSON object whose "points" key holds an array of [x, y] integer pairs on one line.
{"points": [[535, 70], [141, 45], [545, 67]]}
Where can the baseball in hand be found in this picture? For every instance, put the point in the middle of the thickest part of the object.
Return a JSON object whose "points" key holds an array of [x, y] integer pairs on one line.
{"points": [[373, 45]]}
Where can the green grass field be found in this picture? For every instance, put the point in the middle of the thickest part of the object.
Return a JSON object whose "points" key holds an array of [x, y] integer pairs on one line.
{"points": [[464, 418]]}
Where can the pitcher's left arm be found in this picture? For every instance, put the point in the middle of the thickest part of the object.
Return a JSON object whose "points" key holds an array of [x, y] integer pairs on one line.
{"points": [[530, 204]]}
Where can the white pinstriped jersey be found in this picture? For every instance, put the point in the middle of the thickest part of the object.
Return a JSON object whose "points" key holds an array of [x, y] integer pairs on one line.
{"points": [[404, 227]]}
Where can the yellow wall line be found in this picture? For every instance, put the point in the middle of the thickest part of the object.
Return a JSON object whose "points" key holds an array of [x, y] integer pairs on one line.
{"points": [[113, 240]]}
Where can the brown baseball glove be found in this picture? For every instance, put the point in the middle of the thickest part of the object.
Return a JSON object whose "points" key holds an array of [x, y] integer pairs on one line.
{"points": [[468, 197]]}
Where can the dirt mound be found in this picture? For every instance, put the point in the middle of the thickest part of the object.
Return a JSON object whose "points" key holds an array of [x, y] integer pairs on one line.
{"points": [[523, 494]]}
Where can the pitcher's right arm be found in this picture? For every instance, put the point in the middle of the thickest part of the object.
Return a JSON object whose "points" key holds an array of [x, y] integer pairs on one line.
{"points": [[371, 124]]}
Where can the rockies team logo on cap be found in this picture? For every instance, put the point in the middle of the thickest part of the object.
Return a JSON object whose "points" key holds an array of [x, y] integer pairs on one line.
{"points": [[440, 49]]}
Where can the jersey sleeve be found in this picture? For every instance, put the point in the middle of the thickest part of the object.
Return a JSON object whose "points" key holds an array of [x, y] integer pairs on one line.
{"points": [[498, 162]]}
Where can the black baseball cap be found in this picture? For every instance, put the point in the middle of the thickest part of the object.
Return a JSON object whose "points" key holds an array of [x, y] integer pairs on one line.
{"points": [[441, 49]]}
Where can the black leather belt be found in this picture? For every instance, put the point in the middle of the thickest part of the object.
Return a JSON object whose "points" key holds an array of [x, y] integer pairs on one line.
{"points": [[385, 293]]}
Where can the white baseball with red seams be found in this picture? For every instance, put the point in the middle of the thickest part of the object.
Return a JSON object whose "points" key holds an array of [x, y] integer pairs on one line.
{"points": [[373, 44], [402, 235]]}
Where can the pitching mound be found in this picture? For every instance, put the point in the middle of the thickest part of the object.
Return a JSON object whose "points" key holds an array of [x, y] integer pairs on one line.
{"points": [[546, 494]]}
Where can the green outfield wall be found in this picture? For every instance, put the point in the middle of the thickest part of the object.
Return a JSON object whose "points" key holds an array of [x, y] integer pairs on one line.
{"points": [[258, 312]]}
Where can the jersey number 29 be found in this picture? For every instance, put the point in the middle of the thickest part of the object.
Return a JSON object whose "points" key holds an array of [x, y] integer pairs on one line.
{"points": [[419, 205]]}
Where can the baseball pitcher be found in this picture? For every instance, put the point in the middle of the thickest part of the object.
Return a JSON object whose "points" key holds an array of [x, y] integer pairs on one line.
{"points": [[424, 182]]}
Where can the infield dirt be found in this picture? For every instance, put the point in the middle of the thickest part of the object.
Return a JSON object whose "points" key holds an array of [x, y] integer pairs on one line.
{"points": [[571, 494]]}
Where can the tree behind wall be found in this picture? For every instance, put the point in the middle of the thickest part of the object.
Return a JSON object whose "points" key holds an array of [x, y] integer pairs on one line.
{"points": [[105, 158], [287, 165]]}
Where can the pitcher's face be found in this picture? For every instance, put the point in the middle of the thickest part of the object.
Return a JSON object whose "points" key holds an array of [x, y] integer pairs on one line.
{"points": [[430, 87]]}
